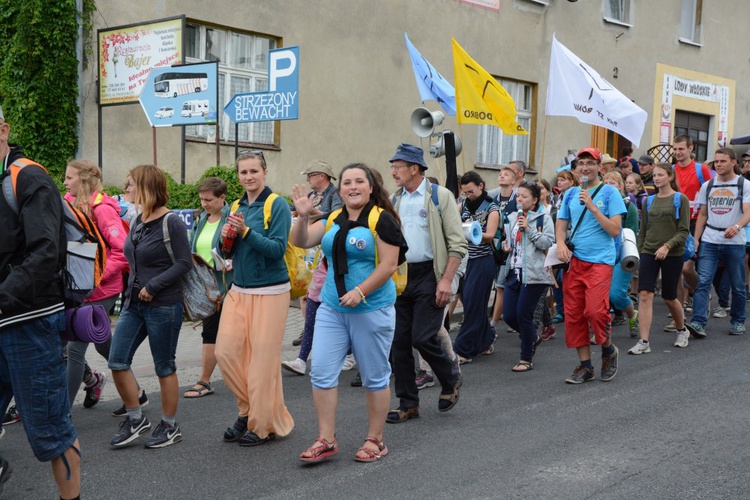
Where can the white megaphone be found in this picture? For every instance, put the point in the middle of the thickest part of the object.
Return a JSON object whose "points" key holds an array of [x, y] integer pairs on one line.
{"points": [[437, 148], [424, 121]]}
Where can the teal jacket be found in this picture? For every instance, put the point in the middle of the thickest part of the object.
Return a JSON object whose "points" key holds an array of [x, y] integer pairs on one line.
{"points": [[258, 257], [223, 279]]}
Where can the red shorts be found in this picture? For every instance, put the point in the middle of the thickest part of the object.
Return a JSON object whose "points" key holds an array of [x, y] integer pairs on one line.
{"points": [[586, 302]]}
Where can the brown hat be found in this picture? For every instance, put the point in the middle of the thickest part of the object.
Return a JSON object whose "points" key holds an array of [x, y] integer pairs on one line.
{"points": [[607, 159], [319, 166]]}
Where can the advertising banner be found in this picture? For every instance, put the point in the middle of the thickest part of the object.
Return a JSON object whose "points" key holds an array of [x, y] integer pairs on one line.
{"points": [[128, 53], [181, 95]]}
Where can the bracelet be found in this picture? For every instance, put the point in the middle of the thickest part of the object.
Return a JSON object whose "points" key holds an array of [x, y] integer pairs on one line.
{"points": [[362, 294]]}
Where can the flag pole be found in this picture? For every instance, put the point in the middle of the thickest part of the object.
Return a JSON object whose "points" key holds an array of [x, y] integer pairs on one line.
{"points": [[544, 142], [463, 157]]}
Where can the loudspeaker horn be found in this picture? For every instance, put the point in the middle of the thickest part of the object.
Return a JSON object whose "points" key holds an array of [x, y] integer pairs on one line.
{"points": [[424, 121], [437, 149]]}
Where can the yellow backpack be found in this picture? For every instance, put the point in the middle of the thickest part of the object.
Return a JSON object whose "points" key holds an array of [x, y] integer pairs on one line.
{"points": [[294, 257], [399, 276]]}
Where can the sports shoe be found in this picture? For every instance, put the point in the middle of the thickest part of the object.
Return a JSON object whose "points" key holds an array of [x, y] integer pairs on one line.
{"points": [[11, 416], [94, 393], [357, 381], [349, 363], [5, 472], [121, 411], [633, 325], [424, 379], [580, 375], [640, 348], [689, 304], [682, 338], [298, 341], [297, 366], [720, 312], [671, 327], [609, 365], [130, 431], [164, 435], [618, 320], [696, 330], [558, 318], [548, 332], [737, 329]]}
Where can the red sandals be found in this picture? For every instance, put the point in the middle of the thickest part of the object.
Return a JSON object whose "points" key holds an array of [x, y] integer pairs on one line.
{"points": [[372, 455], [319, 451]]}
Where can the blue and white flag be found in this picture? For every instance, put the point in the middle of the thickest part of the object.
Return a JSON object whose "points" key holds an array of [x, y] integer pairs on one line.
{"points": [[430, 83]]}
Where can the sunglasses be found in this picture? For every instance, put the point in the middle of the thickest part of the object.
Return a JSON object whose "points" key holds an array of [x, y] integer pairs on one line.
{"points": [[256, 152]]}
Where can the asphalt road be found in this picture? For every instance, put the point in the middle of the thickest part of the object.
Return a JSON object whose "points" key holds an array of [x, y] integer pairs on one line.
{"points": [[672, 424]]}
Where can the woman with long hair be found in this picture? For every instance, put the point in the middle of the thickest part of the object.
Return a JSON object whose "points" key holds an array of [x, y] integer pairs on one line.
{"points": [[618, 291], [206, 233], [477, 335], [83, 183], [357, 310], [661, 244], [152, 308], [526, 281], [251, 330]]}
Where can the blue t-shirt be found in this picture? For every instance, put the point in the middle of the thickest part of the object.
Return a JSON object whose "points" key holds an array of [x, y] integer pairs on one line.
{"points": [[592, 243], [360, 256]]}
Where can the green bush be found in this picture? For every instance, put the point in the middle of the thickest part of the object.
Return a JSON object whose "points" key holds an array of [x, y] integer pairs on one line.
{"points": [[234, 188]]}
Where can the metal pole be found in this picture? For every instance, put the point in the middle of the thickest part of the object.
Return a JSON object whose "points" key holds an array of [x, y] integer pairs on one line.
{"points": [[153, 129]]}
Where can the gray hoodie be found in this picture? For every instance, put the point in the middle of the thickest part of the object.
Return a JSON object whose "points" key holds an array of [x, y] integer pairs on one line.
{"points": [[535, 244]]}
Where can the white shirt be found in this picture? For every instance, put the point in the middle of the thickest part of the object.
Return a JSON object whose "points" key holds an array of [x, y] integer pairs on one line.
{"points": [[413, 216]]}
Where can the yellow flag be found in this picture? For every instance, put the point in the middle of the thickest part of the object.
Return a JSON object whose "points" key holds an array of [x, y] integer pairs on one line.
{"points": [[480, 98]]}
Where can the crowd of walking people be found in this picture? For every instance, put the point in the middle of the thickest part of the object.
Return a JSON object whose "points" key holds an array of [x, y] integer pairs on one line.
{"points": [[552, 255]]}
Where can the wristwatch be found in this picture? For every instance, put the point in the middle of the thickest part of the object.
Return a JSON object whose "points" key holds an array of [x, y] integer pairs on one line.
{"points": [[738, 227]]}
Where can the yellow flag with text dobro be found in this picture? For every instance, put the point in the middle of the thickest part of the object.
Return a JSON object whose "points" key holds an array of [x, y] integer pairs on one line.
{"points": [[480, 99]]}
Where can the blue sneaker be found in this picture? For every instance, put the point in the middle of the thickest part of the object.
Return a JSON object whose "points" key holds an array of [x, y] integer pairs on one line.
{"points": [[737, 329], [696, 330], [130, 431], [164, 435]]}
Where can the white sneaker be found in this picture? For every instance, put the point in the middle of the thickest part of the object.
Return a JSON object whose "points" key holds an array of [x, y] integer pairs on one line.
{"points": [[720, 312], [682, 338], [297, 366], [349, 362], [640, 348]]}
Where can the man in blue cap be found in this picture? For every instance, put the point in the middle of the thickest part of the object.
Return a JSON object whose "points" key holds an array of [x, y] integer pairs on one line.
{"points": [[431, 224]]}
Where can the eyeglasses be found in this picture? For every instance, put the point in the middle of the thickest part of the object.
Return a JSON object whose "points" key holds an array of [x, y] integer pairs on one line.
{"points": [[396, 167], [257, 152], [645, 164], [746, 160], [313, 174], [587, 163]]}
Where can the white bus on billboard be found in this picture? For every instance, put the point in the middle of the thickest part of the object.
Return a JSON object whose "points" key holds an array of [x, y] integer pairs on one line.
{"points": [[172, 84], [194, 108]]}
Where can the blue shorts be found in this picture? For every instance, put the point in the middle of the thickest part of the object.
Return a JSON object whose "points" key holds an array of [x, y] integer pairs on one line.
{"points": [[161, 325], [369, 336], [33, 371]]}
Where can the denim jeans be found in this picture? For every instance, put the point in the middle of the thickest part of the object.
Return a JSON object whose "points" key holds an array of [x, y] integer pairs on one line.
{"points": [[32, 370], [161, 325], [723, 286], [709, 255], [519, 303]]}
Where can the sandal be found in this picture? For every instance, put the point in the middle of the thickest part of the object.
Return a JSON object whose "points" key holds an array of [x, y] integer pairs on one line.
{"points": [[319, 451], [400, 415], [370, 454], [252, 439], [523, 366], [199, 390], [234, 433], [448, 401]]}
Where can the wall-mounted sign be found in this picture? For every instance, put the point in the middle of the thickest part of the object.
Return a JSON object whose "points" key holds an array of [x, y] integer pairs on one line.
{"points": [[281, 101], [128, 53], [181, 95]]}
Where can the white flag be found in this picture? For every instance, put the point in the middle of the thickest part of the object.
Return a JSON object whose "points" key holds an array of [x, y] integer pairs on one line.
{"points": [[576, 89]]}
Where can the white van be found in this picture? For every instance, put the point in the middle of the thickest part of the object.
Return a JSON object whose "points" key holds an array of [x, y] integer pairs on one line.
{"points": [[194, 108]]}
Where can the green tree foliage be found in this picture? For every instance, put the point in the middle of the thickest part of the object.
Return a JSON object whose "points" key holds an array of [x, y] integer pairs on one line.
{"points": [[39, 78]]}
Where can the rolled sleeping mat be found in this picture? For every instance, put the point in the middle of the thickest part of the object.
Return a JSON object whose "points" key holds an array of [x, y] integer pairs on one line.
{"points": [[472, 232], [88, 323], [629, 258]]}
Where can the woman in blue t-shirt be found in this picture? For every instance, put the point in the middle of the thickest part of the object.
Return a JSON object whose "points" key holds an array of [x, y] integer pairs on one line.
{"points": [[357, 310]]}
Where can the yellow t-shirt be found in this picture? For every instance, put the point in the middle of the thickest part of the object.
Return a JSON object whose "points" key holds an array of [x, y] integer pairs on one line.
{"points": [[204, 243]]}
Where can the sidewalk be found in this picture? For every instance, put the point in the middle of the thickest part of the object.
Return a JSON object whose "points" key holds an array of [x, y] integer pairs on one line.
{"points": [[189, 350]]}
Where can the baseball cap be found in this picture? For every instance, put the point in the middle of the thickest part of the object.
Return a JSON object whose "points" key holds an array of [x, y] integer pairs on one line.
{"points": [[592, 151], [319, 166], [746, 153], [646, 160], [409, 154]]}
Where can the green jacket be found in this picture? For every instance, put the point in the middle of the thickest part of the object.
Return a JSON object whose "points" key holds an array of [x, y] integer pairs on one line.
{"points": [[444, 222]]}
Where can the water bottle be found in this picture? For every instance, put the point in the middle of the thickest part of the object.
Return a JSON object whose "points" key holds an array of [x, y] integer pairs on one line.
{"points": [[228, 242]]}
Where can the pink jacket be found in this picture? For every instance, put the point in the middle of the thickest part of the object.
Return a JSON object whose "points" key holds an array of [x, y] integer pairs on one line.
{"points": [[106, 216]]}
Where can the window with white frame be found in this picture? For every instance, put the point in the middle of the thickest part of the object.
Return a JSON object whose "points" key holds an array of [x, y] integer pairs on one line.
{"points": [[496, 147], [617, 11], [690, 21], [243, 67]]}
